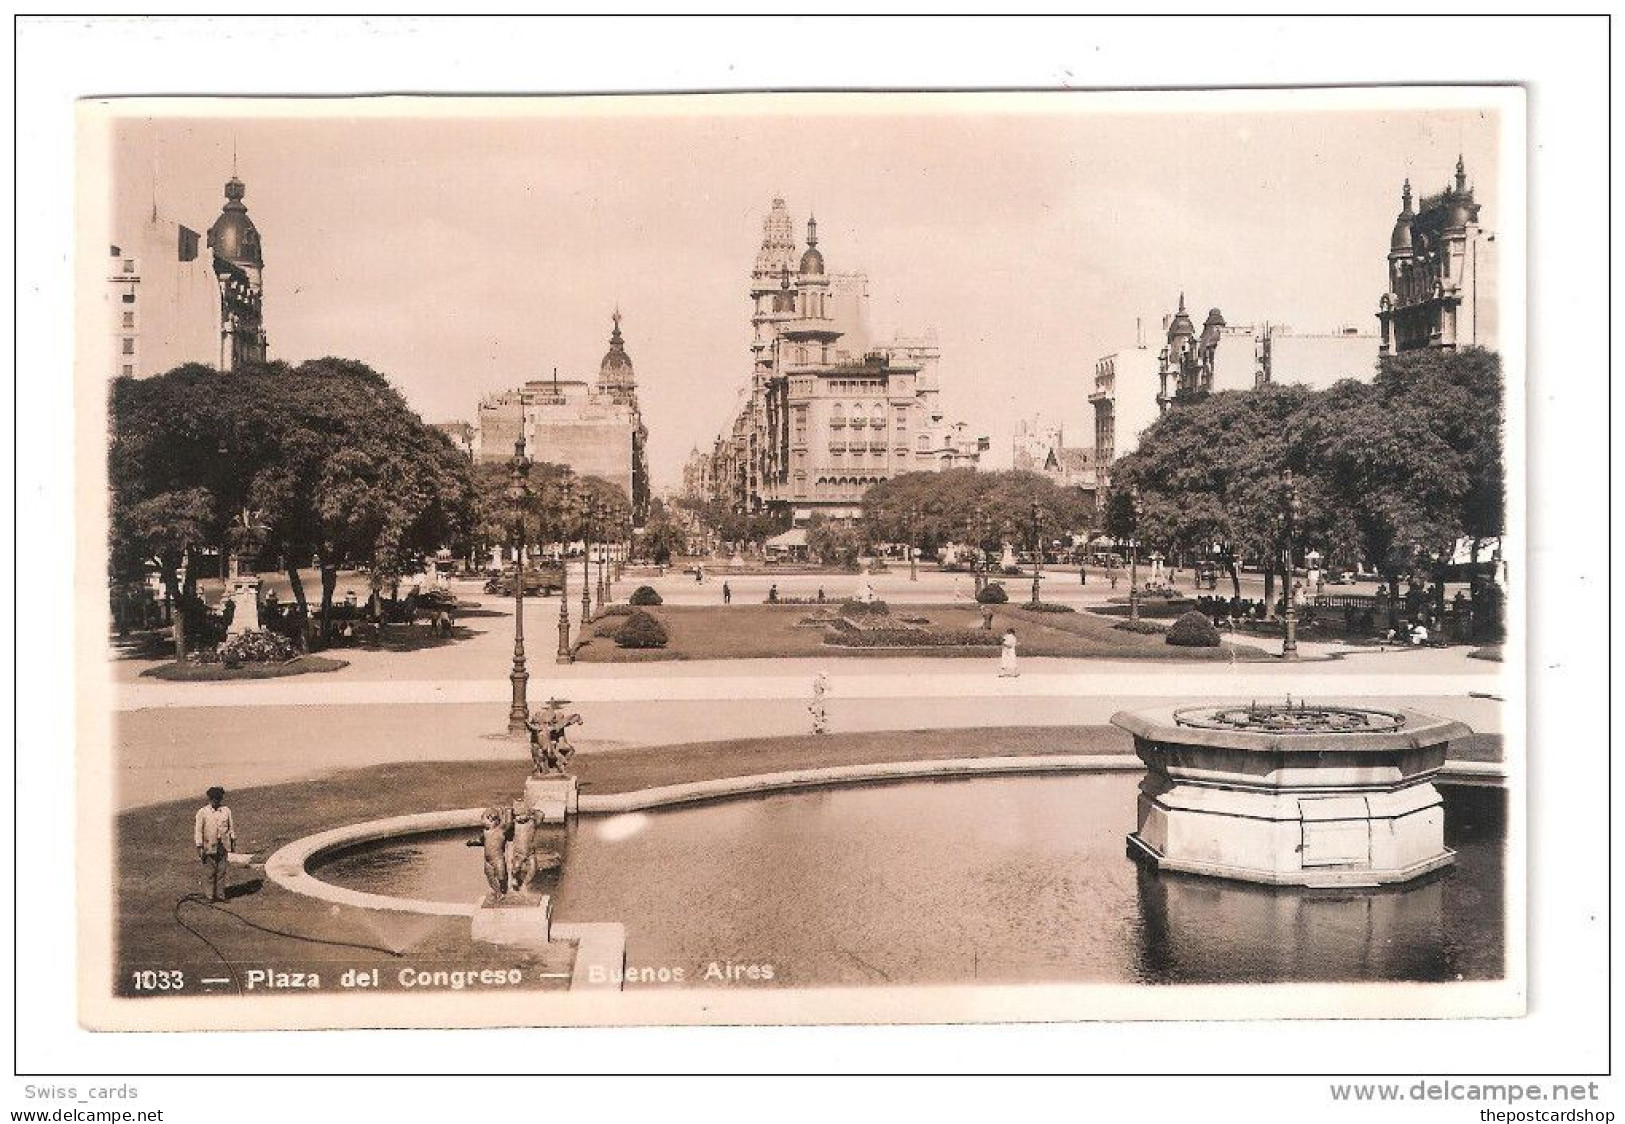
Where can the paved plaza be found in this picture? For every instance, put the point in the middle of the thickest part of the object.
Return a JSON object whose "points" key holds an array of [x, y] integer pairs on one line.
{"points": [[449, 702]]}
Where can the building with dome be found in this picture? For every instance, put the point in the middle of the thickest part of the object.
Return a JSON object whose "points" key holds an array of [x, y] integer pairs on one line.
{"points": [[1441, 274], [169, 304], [239, 271], [827, 412], [593, 427]]}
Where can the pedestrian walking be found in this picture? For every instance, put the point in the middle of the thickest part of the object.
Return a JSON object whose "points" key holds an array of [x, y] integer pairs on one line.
{"points": [[818, 707], [727, 594], [1083, 575], [1007, 655], [214, 835]]}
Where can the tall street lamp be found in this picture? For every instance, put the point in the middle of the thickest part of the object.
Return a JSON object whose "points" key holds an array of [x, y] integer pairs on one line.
{"points": [[1291, 508], [565, 502], [603, 553], [1038, 548], [588, 511], [518, 490], [913, 521], [1138, 509]]}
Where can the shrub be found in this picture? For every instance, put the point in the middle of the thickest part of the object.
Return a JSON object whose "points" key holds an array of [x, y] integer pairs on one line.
{"points": [[641, 630], [1048, 607], [1193, 630], [864, 609], [992, 594], [260, 646], [645, 595], [616, 611], [1141, 628]]}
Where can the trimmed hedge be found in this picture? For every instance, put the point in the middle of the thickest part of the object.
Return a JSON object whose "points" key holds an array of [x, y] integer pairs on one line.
{"points": [[1193, 630], [992, 594], [1048, 607], [616, 611], [641, 630], [645, 595]]}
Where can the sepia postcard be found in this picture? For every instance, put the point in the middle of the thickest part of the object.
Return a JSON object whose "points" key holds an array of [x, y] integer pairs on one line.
{"points": [[801, 558]]}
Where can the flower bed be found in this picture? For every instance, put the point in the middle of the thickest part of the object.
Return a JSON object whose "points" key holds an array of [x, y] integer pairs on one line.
{"points": [[852, 637], [1141, 627]]}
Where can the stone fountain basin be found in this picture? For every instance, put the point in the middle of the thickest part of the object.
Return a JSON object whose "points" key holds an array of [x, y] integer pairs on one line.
{"points": [[1297, 807], [1279, 760]]}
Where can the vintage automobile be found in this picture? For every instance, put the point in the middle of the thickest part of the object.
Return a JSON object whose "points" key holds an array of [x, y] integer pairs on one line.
{"points": [[540, 581]]}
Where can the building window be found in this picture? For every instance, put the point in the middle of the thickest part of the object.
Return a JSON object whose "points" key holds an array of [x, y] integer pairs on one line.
{"points": [[129, 346], [129, 319], [128, 370], [128, 298], [129, 265]]}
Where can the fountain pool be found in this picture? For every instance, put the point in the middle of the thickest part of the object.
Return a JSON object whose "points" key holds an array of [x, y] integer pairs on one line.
{"points": [[998, 879]]}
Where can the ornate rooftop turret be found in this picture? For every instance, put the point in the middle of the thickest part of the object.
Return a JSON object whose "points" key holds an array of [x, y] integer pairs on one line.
{"points": [[1400, 243], [616, 368], [812, 262], [233, 237]]}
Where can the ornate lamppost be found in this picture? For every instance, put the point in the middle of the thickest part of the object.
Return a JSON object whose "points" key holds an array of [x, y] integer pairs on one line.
{"points": [[518, 490], [603, 557], [589, 511], [913, 521], [1291, 508], [565, 501], [1138, 510], [1038, 548]]}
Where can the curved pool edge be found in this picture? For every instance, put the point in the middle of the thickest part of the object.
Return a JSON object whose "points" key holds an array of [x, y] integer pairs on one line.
{"points": [[288, 867]]}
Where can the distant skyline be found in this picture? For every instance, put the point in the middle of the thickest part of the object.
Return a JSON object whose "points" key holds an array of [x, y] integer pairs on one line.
{"points": [[465, 254]]}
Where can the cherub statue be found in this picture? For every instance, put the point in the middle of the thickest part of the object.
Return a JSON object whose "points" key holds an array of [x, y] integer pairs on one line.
{"points": [[522, 847], [550, 749], [494, 839]]}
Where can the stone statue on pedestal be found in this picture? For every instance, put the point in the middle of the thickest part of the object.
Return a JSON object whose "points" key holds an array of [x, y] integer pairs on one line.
{"points": [[550, 749]]}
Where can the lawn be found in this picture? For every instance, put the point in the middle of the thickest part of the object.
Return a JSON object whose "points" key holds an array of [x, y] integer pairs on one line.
{"points": [[715, 632]]}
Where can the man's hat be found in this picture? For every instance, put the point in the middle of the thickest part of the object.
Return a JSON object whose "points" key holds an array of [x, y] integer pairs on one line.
{"points": [[216, 793]]}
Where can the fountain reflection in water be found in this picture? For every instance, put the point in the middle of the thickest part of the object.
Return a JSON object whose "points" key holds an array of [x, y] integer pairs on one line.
{"points": [[1011, 879]]}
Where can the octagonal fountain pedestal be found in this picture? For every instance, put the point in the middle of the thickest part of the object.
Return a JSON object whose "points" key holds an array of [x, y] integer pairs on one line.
{"points": [[1291, 795]]}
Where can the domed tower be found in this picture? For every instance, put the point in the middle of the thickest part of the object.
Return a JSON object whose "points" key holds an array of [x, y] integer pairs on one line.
{"points": [[239, 269], [619, 382], [1437, 258], [615, 375], [810, 333]]}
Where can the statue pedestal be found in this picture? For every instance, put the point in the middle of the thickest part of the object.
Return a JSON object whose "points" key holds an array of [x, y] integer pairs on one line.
{"points": [[552, 799], [514, 919], [244, 595]]}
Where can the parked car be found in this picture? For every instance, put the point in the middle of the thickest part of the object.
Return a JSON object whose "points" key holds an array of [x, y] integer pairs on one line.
{"points": [[539, 582]]}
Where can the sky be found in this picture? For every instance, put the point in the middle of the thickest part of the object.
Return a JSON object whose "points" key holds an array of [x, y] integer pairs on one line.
{"points": [[468, 249]]}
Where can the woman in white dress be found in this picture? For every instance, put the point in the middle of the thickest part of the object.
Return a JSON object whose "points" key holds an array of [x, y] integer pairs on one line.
{"points": [[1007, 657]]}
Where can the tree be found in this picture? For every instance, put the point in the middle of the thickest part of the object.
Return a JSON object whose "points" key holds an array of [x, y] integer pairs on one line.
{"points": [[358, 479], [1389, 472], [834, 544], [928, 509], [322, 460]]}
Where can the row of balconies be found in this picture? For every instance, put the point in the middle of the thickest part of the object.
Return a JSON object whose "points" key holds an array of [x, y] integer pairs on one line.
{"points": [[857, 446]]}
